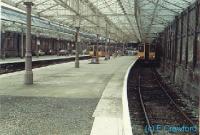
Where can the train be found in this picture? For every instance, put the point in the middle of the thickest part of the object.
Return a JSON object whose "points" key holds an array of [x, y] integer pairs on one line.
{"points": [[101, 51], [146, 52]]}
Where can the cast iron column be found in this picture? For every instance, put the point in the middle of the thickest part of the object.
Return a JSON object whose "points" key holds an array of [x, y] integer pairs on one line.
{"points": [[77, 48], [3, 45], [97, 52], [2, 42], [22, 44], [123, 48], [109, 48], [37, 44], [196, 34], [106, 46], [28, 56]]}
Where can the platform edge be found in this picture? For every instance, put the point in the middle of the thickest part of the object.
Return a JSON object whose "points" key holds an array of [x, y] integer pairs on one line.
{"points": [[127, 128]]}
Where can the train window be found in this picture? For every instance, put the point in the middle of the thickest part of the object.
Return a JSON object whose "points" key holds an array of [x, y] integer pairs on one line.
{"points": [[141, 48], [152, 48]]}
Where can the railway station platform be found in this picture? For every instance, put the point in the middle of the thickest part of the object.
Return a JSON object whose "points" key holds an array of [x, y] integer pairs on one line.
{"points": [[34, 58], [65, 100]]}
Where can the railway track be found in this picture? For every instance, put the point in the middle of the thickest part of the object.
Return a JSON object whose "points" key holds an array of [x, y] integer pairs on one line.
{"points": [[153, 110], [19, 66]]}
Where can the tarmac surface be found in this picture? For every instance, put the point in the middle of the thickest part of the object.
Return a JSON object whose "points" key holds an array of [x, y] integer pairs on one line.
{"points": [[61, 101]]}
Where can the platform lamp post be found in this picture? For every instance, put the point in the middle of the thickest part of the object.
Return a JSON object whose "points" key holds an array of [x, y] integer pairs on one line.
{"points": [[77, 41], [28, 57]]}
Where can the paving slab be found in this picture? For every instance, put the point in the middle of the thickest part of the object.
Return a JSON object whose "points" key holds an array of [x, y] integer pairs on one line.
{"points": [[61, 101]]}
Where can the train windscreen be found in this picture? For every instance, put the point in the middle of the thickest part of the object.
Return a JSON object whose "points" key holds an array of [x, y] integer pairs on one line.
{"points": [[141, 48], [152, 48]]}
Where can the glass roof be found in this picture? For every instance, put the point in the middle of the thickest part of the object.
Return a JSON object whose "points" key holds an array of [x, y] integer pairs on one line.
{"points": [[122, 20]]}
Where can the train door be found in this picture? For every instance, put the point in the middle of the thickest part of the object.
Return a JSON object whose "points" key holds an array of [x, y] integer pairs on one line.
{"points": [[147, 51], [141, 51], [152, 52]]}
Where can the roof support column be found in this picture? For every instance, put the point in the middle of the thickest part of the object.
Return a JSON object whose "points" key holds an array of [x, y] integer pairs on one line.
{"points": [[175, 47], [196, 35], [28, 57], [22, 44], [123, 43], [77, 38], [97, 53], [2, 45], [106, 46], [37, 44], [77, 47], [187, 38], [123, 53], [181, 42], [95, 57]]}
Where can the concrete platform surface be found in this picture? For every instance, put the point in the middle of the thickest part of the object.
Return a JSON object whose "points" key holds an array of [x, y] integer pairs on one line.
{"points": [[34, 58], [62, 99], [109, 119]]}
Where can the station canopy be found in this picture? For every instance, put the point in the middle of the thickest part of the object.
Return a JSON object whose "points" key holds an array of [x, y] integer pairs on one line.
{"points": [[120, 20]]}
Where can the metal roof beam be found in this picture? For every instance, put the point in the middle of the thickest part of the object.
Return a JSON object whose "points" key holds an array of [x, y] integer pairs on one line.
{"points": [[66, 6], [163, 7], [41, 3], [152, 18], [138, 18], [173, 4], [47, 9], [124, 11], [94, 9], [189, 3], [115, 14]]}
